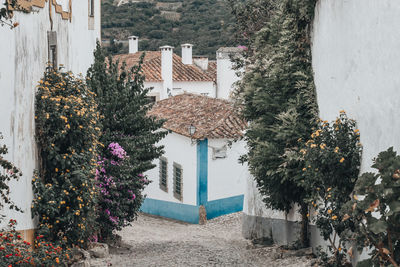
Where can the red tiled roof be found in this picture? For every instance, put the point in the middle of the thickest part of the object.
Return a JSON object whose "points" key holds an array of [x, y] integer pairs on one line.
{"points": [[212, 69], [213, 118], [152, 67]]}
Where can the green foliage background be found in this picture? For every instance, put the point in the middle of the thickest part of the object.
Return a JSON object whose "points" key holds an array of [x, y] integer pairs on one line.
{"points": [[207, 24]]}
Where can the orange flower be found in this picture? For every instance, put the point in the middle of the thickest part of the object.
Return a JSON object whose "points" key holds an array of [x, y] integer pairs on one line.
{"points": [[341, 160]]}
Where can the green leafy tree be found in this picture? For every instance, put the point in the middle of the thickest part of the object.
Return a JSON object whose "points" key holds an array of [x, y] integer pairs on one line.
{"points": [[124, 105], [277, 95], [375, 211]]}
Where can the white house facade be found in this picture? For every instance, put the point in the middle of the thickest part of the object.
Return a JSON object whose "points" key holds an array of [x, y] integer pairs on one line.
{"points": [[199, 168], [169, 74], [60, 32]]}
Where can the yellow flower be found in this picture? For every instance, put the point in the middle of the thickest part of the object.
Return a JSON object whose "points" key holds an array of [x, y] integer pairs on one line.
{"points": [[329, 211], [304, 169], [334, 217], [313, 145], [341, 160], [56, 169], [308, 214], [329, 189], [336, 150]]}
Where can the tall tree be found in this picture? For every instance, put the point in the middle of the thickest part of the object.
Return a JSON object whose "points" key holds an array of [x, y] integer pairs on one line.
{"points": [[278, 97], [123, 104]]}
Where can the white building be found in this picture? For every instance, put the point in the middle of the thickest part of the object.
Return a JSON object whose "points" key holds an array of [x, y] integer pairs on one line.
{"points": [[170, 74], [355, 52], [198, 169], [56, 31]]}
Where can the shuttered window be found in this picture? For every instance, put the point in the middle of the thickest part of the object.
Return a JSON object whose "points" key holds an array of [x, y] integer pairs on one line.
{"points": [[164, 174], [178, 181]]}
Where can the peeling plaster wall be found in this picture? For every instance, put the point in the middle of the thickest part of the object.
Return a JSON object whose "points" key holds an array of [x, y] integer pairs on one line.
{"points": [[23, 55]]}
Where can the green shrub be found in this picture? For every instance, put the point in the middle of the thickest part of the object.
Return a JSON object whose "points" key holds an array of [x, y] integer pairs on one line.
{"points": [[67, 132], [332, 159], [375, 211]]}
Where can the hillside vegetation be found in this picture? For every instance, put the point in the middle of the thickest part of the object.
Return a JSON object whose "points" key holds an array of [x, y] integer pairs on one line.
{"points": [[207, 24]]}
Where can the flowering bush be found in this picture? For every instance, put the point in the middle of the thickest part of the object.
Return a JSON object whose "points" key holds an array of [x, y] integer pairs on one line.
{"points": [[14, 251], [375, 211], [331, 166], [67, 131], [120, 193]]}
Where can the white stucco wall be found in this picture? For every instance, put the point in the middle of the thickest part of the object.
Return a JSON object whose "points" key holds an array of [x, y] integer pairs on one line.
{"points": [[195, 87], [226, 77], [23, 55], [189, 87], [356, 60], [178, 149], [226, 176]]}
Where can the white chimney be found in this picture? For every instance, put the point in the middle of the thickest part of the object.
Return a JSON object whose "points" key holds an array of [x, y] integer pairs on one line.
{"points": [[201, 62], [133, 44], [187, 54], [166, 70]]}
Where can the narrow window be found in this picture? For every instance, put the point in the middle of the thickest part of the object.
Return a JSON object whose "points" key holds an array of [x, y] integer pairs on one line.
{"points": [[52, 48], [91, 8], [178, 181], [163, 174]]}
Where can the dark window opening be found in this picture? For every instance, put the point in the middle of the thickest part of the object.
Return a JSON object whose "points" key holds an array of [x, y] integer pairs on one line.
{"points": [[164, 174], [178, 190]]}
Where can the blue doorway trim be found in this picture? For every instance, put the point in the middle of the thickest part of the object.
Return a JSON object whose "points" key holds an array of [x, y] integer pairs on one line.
{"points": [[202, 172]]}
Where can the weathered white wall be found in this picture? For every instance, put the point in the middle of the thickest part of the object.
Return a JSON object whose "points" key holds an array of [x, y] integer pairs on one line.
{"points": [[356, 63], [226, 177], [226, 76], [178, 149], [23, 56], [189, 87], [157, 88]]}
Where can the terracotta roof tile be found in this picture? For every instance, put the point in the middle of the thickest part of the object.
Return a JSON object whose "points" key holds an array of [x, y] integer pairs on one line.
{"points": [[213, 118], [152, 67]]}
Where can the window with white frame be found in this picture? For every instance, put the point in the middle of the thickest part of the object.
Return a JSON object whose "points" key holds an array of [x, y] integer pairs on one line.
{"points": [[178, 181]]}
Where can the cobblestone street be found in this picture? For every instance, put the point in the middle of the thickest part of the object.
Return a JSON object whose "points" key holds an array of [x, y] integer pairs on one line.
{"points": [[159, 242]]}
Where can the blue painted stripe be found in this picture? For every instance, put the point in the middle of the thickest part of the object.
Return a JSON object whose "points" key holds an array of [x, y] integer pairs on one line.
{"points": [[202, 172], [177, 211], [224, 206]]}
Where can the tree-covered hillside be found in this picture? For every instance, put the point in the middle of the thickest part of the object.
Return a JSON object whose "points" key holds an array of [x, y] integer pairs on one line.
{"points": [[207, 24]]}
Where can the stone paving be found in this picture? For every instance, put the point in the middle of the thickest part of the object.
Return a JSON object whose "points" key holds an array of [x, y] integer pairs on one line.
{"points": [[153, 241]]}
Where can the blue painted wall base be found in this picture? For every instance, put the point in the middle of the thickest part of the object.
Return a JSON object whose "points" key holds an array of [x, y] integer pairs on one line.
{"points": [[172, 210], [190, 213], [224, 206]]}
